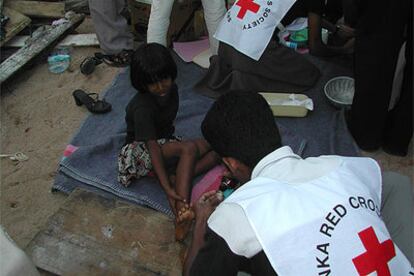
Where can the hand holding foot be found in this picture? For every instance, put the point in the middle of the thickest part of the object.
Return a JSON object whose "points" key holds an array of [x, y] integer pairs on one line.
{"points": [[173, 198], [207, 204]]}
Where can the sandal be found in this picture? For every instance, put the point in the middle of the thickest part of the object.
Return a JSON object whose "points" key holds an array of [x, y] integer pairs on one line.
{"points": [[88, 65], [121, 59], [93, 105]]}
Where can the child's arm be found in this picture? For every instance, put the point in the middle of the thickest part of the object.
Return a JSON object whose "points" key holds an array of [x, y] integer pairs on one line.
{"points": [[157, 161]]}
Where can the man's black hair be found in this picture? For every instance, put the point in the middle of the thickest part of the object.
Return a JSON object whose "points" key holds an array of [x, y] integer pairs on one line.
{"points": [[151, 63], [241, 125]]}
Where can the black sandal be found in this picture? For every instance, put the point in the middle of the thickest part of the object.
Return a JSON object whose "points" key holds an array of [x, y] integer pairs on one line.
{"points": [[121, 59], [88, 65], [93, 105]]}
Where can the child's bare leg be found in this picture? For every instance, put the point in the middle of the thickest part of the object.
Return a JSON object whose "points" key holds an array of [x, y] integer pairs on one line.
{"points": [[184, 177], [207, 158], [188, 153], [207, 162]]}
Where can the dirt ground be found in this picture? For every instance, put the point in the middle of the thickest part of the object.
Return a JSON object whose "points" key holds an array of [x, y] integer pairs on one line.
{"points": [[38, 118]]}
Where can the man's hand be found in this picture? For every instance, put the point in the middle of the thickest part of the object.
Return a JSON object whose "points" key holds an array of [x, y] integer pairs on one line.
{"points": [[206, 204], [345, 32], [203, 208]]}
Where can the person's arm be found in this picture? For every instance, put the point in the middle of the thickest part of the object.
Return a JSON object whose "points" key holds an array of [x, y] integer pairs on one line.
{"points": [[145, 130], [208, 253], [197, 243], [157, 161], [215, 258], [203, 208]]}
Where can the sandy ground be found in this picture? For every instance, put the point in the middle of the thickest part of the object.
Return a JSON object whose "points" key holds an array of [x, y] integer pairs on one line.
{"points": [[38, 118]]}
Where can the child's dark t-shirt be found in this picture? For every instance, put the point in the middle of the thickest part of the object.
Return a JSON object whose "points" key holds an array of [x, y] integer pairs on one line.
{"points": [[149, 117]]}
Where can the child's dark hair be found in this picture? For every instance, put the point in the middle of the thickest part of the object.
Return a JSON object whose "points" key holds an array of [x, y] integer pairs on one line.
{"points": [[151, 63], [241, 125]]}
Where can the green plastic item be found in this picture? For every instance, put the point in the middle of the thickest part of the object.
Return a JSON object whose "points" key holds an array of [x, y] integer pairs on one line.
{"points": [[300, 36]]}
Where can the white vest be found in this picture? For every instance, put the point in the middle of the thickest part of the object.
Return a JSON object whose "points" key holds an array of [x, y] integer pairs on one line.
{"points": [[328, 226], [248, 25]]}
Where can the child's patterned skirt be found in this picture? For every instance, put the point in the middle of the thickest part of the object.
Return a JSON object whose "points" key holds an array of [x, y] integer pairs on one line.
{"points": [[134, 161]]}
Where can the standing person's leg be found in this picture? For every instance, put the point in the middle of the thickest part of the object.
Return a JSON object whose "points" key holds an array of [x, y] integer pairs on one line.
{"points": [[377, 47], [159, 21], [214, 11], [399, 130], [397, 211], [111, 27]]}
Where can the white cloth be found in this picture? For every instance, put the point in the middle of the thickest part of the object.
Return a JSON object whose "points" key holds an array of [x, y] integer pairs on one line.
{"points": [[13, 261], [398, 78], [159, 20], [249, 24]]}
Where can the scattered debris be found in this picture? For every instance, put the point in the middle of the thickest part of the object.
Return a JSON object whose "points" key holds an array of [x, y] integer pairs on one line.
{"points": [[18, 156], [13, 25], [75, 40], [44, 37], [37, 8]]}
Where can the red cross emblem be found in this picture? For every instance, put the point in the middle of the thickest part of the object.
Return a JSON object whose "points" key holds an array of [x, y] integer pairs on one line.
{"points": [[247, 5], [376, 257]]}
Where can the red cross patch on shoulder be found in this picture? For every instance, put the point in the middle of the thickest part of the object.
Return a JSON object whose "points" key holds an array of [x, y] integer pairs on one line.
{"points": [[247, 5], [376, 256]]}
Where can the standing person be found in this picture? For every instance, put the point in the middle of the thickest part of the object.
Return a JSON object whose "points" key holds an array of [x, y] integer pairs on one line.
{"points": [[150, 142], [293, 216], [112, 30], [378, 42], [159, 20]]}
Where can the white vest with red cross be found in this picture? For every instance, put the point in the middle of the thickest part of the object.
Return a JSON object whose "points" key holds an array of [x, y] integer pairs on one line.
{"points": [[249, 25], [329, 226]]}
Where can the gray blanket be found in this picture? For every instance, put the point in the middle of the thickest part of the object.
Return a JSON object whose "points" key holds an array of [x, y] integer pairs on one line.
{"points": [[93, 165]]}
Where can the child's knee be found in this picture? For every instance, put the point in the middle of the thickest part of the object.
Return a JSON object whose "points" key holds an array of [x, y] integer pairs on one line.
{"points": [[190, 148]]}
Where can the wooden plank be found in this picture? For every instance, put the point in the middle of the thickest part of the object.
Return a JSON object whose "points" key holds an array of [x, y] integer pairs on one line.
{"points": [[38, 8], [77, 40], [42, 38], [16, 23], [79, 6], [92, 235]]}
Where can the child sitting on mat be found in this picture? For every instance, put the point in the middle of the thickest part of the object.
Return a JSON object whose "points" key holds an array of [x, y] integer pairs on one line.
{"points": [[150, 143]]}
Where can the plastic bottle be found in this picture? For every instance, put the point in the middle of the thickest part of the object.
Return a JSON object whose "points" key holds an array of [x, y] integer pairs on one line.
{"points": [[59, 60], [291, 44]]}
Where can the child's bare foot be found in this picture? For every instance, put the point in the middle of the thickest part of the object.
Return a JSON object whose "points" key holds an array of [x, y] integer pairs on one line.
{"points": [[183, 222], [185, 213]]}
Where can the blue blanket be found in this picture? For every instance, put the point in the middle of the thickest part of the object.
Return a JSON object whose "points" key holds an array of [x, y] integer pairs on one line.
{"points": [[93, 165]]}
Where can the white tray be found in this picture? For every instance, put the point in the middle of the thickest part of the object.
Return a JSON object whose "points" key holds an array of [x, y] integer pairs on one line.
{"points": [[285, 110]]}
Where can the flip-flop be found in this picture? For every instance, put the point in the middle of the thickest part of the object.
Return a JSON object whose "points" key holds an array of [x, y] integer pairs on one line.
{"points": [[93, 105]]}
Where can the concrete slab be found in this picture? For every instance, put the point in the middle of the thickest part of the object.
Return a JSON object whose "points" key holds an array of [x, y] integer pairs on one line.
{"points": [[91, 235]]}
